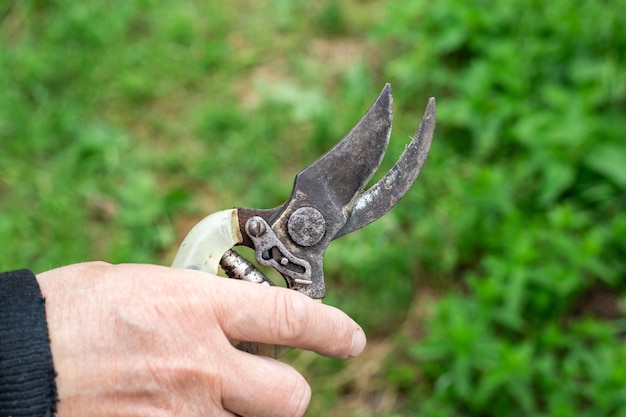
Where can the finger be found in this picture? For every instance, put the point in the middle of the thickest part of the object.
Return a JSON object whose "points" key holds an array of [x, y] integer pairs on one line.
{"points": [[280, 316], [264, 387]]}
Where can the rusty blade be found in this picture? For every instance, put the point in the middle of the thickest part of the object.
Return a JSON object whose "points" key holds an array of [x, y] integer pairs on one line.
{"points": [[330, 187], [336, 178], [383, 195]]}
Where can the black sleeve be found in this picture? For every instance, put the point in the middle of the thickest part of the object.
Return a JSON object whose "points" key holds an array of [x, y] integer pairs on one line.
{"points": [[27, 386]]}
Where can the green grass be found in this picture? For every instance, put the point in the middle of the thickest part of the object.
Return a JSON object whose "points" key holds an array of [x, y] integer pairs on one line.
{"points": [[496, 287]]}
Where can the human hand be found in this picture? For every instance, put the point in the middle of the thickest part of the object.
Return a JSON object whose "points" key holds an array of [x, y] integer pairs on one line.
{"points": [[145, 340]]}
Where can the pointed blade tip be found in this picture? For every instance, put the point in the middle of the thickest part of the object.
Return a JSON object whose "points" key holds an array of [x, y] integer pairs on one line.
{"points": [[431, 109], [387, 93]]}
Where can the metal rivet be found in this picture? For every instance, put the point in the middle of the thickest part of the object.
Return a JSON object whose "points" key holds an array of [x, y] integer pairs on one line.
{"points": [[306, 226]]}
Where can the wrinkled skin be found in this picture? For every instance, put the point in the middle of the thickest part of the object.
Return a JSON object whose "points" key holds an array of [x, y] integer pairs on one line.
{"points": [[145, 340]]}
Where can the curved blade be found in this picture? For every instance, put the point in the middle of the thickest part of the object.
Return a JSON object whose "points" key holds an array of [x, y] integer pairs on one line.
{"points": [[342, 173], [330, 187], [383, 195]]}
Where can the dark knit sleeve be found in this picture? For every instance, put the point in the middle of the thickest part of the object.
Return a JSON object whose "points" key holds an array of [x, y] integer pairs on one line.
{"points": [[27, 386]]}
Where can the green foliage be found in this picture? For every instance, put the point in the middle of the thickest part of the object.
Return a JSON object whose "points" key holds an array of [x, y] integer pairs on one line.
{"points": [[518, 346], [531, 115]]}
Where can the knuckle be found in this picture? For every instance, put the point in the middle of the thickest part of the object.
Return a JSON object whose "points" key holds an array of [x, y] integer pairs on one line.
{"points": [[292, 316]]}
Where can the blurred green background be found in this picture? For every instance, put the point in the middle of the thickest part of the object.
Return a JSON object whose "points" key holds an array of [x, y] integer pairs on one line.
{"points": [[495, 288]]}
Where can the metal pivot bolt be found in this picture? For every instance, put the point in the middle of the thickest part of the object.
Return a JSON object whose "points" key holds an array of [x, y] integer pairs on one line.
{"points": [[306, 226]]}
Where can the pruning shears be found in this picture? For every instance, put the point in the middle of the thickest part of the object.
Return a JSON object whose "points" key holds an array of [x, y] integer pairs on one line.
{"points": [[328, 201]]}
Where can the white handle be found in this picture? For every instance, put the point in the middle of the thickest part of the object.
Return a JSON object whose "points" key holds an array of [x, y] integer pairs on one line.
{"points": [[206, 243]]}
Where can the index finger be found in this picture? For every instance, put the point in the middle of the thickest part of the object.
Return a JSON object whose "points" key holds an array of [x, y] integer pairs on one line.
{"points": [[273, 315]]}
